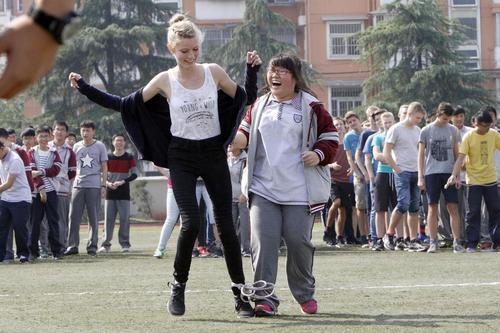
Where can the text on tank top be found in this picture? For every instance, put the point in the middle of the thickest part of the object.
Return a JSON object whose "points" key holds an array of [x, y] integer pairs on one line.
{"points": [[194, 112]]}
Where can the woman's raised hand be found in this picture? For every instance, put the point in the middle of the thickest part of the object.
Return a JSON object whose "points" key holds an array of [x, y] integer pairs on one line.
{"points": [[73, 77]]}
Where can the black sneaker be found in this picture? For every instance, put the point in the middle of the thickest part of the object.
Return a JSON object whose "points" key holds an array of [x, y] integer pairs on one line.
{"points": [[215, 251], [70, 251], [400, 244], [24, 260], [379, 245], [195, 253], [175, 304], [91, 253], [242, 304]]}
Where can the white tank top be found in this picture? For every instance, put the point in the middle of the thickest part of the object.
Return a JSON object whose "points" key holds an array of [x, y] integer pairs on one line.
{"points": [[194, 112]]}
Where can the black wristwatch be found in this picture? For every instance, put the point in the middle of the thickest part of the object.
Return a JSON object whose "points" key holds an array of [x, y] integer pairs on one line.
{"points": [[60, 28]]}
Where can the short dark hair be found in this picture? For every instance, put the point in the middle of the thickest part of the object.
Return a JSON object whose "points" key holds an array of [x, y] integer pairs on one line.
{"points": [[444, 108], [378, 113], [11, 131], [61, 123], [43, 129], [72, 134], [3, 133], [119, 134], [489, 108], [483, 116], [87, 124], [459, 110], [30, 131]]}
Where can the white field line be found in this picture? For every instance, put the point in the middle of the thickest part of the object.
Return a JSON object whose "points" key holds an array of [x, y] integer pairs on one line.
{"points": [[194, 291]]}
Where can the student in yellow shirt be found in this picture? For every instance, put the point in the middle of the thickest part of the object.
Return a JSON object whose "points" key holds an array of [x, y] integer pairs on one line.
{"points": [[479, 146]]}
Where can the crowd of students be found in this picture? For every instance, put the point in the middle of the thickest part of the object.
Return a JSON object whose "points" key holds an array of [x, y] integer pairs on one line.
{"points": [[48, 182], [396, 186]]}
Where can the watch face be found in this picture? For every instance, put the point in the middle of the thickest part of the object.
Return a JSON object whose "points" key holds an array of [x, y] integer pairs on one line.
{"points": [[71, 28]]}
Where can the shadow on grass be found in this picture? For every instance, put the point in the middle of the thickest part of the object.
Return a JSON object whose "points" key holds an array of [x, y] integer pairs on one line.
{"points": [[347, 319]]}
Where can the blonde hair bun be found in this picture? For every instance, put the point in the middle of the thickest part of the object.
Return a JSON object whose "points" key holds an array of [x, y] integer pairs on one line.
{"points": [[177, 18]]}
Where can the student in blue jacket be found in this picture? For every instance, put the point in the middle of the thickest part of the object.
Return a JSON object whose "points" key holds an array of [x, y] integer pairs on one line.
{"points": [[187, 132]]}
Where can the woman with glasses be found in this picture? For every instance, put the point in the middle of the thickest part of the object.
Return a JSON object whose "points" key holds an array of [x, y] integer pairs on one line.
{"points": [[291, 140]]}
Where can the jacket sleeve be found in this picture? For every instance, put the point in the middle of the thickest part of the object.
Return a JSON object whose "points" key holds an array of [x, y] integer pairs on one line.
{"points": [[54, 168], [71, 165], [327, 142], [251, 83], [246, 122], [25, 157], [37, 182], [100, 97]]}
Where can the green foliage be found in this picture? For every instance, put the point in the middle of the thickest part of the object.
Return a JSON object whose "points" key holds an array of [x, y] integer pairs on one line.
{"points": [[413, 57], [255, 33], [121, 45], [11, 114]]}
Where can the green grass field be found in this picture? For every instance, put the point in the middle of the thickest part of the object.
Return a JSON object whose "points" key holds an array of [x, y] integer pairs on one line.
{"points": [[357, 291]]}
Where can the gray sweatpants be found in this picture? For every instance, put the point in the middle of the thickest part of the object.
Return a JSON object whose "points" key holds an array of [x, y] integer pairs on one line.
{"points": [[63, 203], [269, 223], [241, 222], [111, 209], [81, 198]]}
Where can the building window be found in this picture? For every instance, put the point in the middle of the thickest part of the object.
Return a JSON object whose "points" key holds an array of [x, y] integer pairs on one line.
{"points": [[341, 40], [378, 18], [470, 32], [472, 58], [20, 6], [284, 35], [345, 98], [216, 37], [280, 1], [464, 2], [2, 6]]}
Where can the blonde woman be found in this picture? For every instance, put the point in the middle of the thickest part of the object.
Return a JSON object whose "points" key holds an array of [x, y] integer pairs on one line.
{"points": [[187, 131]]}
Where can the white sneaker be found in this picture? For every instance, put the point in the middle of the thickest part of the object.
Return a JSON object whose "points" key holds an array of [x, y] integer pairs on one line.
{"points": [[159, 253], [432, 247], [103, 249], [125, 249]]}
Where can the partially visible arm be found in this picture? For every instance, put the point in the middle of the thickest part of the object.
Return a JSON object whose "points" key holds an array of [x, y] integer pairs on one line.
{"points": [[223, 81], [455, 176], [388, 147], [54, 168], [71, 165], [158, 84], [352, 165], [421, 166], [30, 50], [360, 163], [97, 96], [240, 140], [8, 184], [369, 167], [253, 66], [104, 173]]}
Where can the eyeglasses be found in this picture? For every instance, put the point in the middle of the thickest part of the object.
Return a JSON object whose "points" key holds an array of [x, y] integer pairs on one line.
{"points": [[279, 71]]}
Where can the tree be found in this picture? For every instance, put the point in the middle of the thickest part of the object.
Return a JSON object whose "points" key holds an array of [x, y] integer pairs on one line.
{"points": [[122, 46], [11, 115], [413, 57], [255, 33]]}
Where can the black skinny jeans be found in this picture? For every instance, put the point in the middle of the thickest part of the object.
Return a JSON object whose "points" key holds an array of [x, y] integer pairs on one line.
{"points": [[188, 160]]}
